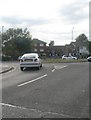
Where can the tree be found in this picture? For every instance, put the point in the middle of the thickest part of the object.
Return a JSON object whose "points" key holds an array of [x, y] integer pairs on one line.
{"points": [[82, 40], [16, 42], [82, 45], [51, 43]]}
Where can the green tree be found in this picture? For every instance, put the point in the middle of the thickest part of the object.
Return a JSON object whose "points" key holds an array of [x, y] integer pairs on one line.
{"points": [[82, 40], [16, 42]]}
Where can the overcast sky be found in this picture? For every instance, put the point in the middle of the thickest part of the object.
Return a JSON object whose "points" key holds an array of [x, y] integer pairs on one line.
{"points": [[47, 19]]}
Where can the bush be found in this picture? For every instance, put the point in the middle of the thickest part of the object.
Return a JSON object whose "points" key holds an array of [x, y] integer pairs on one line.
{"points": [[6, 58]]}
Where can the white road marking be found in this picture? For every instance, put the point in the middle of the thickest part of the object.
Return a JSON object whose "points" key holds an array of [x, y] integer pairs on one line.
{"points": [[53, 70], [13, 106], [60, 67], [35, 110], [32, 80]]}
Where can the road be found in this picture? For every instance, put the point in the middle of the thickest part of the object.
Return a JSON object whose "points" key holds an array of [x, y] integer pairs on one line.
{"points": [[59, 90]]}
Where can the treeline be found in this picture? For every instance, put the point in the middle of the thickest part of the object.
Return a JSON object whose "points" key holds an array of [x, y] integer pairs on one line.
{"points": [[15, 42]]}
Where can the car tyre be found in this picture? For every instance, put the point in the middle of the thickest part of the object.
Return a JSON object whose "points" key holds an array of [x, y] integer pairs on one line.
{"points": [[38, 67], [21, 68], [41, 65]]}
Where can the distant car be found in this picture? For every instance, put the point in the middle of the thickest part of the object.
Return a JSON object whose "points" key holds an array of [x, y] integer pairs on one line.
{"points": [[65, 57], [89, 58], [19, 58], [30, 60]]}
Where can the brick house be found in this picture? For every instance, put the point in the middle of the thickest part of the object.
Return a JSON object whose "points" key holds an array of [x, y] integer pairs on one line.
{"points": [[55, 51], [76, 49], [39, 46], [71, 49]]}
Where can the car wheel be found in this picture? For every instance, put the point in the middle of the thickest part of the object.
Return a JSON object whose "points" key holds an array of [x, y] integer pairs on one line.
{"points": [[89, 60], [41, 65], [22, 68], [38, 67]]}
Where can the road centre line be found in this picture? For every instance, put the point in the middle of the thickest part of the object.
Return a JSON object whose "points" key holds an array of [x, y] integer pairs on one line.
{"points": [[32, 80], [53, 70]]}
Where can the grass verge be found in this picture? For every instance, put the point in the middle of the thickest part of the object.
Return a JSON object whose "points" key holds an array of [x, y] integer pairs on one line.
{"points": [[59, 60]]}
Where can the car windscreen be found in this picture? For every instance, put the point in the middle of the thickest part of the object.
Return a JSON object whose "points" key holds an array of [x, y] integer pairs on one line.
{"points": [[28, 57]]}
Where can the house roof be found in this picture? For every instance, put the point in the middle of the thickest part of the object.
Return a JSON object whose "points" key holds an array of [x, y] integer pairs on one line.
{"points": [[38, 41]]}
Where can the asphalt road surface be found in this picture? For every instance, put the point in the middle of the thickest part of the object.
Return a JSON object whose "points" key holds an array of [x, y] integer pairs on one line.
{"points": [[59, 90]]}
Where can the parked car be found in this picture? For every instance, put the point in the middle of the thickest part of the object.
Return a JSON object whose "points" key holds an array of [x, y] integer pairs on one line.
{"points": [[65, 57], [19, 58], [89, 58], [30, 60]]}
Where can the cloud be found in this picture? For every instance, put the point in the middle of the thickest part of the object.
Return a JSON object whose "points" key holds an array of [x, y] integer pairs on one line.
{"points": [[15, 20], [75, 12], [47, 19]]}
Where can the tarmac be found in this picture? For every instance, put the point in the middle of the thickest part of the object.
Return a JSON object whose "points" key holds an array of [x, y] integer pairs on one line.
{"points": [[29, 113]]}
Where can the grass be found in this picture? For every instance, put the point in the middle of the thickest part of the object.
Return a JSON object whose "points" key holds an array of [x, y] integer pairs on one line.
{"points": [[59, 60]]}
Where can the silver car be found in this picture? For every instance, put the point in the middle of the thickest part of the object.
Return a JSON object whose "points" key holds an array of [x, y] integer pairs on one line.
{"points": [[30, 60], [64, 57]]}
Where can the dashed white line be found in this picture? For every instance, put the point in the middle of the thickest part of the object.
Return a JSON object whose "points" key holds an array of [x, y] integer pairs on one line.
{"points": [[32, 80], [53, 70], [60, 67]]}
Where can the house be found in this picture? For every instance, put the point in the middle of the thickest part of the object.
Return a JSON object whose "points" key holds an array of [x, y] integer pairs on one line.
{"points": [[70, 49], [39, 46], [75, 49], [55, 51]]}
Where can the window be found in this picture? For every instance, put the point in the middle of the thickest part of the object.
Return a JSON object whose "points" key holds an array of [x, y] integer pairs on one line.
{"points": [[35, 50], [41, 44], [41, 50], [35, 44]]}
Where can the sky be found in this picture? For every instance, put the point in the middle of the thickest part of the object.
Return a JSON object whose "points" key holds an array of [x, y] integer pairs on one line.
{"points": [[47, 20]]}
